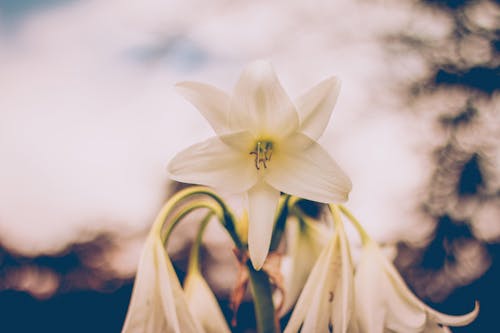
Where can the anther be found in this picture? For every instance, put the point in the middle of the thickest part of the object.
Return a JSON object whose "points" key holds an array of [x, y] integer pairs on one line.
{"points": [[263, 152]]}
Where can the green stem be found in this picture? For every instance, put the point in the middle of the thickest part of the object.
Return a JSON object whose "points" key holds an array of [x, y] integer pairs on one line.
{"points": [[263, 301], [365, 238], [194, 256], [188, 209], [226, 217]]}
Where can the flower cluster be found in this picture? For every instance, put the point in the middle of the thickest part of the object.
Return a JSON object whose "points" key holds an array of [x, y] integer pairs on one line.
{"points": [[265, 144], [373, 297]]}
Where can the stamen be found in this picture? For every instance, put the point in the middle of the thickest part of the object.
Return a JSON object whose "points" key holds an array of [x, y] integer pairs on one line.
{"points": [[263, 152]]}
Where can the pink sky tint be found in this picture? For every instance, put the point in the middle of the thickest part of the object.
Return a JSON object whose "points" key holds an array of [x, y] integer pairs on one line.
{"points": [[86, 131]]}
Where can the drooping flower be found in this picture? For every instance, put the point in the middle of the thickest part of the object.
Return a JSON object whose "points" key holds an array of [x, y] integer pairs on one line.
{"points": [[158, 303], [264, 144], [384, 303], [203, 304], [327, 300], [305, 241]]}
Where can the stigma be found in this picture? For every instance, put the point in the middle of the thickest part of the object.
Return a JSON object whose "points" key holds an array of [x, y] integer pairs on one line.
{"points": [[263, 152]]}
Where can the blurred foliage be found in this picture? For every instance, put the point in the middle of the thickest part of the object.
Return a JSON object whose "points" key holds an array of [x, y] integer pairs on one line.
{"points": [[458, 264]]}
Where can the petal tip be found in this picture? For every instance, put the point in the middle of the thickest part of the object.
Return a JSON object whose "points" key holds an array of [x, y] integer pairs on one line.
{"points": [[257, 257]]}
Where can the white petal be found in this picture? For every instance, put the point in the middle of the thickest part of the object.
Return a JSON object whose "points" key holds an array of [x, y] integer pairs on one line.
{"points": [[212, 103], [433, 315], [155, 305], [309, 293], [381, 304], [315, 107], [145, 311], [172, 294], [453, 320], [262, 205], [204, 305], [343, 302], [214, 163], [306, 243], [260, 104], [370, 295], [310, 174]]}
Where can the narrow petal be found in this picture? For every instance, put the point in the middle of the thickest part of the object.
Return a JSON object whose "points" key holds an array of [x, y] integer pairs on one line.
{"points": [[306, 243], [262, 205], [326, 312], [309, 293], [310, 174], [145, 311], [326, 302], [212, 103], [172, 295], [401, 314], [433, 315], [260, 104], [157, 303], [370, 295], [214, 163], [343, 302], [204, 305], [453, 320], [315, 107]]}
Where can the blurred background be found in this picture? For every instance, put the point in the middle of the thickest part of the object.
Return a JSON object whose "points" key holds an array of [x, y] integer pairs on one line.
{"points": [[89, 120]]}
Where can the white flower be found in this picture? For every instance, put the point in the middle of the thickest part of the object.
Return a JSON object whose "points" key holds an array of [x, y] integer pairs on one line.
{"points": [[305, 241], [203, 304], [326, 302], [264, 144], [158, 303], [384, 303]]}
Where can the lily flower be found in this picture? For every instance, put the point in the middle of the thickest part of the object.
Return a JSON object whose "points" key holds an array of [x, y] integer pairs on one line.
{"points": [[305, 241], [158, 302], [326, 302], [384, 303], [203, 304], [265, 144]]}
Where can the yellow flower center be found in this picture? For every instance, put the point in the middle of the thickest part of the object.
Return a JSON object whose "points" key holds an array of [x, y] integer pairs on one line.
{"points": [[263, 152]]}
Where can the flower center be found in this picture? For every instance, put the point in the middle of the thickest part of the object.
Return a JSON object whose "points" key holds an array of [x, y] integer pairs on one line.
{"points": [[263, 152]]}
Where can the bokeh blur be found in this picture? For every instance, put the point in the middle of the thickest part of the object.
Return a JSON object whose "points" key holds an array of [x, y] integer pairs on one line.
{"points": [[89, 119]]}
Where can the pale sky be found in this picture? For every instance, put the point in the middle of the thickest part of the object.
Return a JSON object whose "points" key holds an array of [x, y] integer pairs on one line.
{"points": [[89, 118]]}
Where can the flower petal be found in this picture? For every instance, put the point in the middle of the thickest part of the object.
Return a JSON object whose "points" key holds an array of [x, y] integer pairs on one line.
{"points": [[260, 104], [173, 293], [381, 304], [315, 107], [343, 302], [433, 315], [204, 305], [453, 320], [310, 173], [157, 303], [262, 205], [309, 292], [214, 163], [145, 312], [306, 241], [212, 103], [326, 302]]}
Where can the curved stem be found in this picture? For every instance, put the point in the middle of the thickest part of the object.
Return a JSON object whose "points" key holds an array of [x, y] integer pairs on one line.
{"points": [[185, 211], [226, 218], [194, 256], [365, 238]]}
